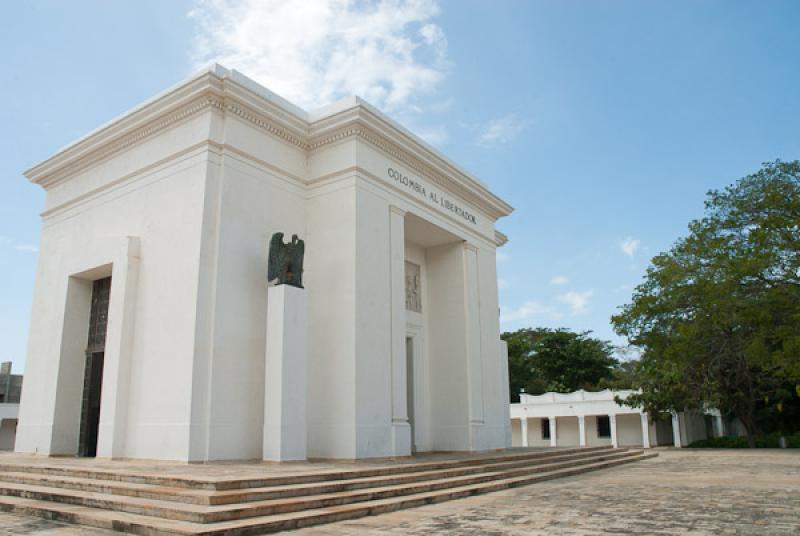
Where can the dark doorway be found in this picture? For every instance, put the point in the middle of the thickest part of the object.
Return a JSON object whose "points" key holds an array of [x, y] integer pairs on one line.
{"points": [[603, 426], [93, 372]]}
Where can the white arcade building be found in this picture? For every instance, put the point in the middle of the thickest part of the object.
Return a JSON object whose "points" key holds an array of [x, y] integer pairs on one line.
{"points": [[149, 325], [584, 418]]}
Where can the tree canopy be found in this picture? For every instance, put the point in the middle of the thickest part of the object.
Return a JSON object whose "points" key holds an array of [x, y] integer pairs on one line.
{"points": [[542, 360], [718, 315]]}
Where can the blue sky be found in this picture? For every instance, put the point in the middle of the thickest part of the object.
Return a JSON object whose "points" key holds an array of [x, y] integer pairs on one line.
{"points": [[603, 123]]}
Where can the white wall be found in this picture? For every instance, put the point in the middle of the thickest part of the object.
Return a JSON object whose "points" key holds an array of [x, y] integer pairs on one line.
{"points": [[494, 384], [592, 440], [663, 435], [516, 433], [447, 343], [629, 430], [162, 206], [331, 220], [535, 438], [692, 426], [568, 434], [373, 327], [244, 226]]}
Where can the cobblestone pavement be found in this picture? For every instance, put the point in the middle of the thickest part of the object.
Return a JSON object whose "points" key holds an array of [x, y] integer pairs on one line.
{"points": [[686, 492]]}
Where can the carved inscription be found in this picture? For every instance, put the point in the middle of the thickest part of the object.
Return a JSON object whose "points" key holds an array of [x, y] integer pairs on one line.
{"points": [[430, 195]]}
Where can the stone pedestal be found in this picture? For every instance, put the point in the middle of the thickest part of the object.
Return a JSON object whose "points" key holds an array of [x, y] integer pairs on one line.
{"points": [[285, 375]]}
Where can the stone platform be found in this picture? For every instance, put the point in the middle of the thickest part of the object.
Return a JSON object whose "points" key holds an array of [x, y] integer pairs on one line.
{"points": [[255, 498]]}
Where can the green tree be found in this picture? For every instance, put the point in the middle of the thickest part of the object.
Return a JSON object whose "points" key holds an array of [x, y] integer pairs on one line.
{"points": [[717, 316], [559, 360], [624, 375]]}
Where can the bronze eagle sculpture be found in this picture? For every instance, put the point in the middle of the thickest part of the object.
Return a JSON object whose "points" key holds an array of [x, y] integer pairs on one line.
{"points": [[285, 264]]}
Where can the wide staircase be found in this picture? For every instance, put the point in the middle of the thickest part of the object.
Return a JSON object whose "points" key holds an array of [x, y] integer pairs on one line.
{"points": [[152, 504]]}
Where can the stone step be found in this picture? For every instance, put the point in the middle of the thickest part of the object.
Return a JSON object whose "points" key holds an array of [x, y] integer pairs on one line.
{"points": [[315, 488], [110, 487], [300, 477], [213, 514], [208, 497], [153, 526]]}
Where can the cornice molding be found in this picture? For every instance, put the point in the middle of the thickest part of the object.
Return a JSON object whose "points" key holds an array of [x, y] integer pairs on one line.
{"points": [[357, 128], [230, 95], [48, 177], [500, 239], [265, 123], [362, 122]]}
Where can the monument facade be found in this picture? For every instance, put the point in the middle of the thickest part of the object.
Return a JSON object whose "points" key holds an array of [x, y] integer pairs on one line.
{"points": [[156, 332]]}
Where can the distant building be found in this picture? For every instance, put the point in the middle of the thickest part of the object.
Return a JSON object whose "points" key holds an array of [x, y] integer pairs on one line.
{"points": [[584, 418], [10, 390]]}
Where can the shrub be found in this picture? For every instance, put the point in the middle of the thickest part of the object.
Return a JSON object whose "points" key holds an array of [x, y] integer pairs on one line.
{"points": [[765, 441], [725, 442]]}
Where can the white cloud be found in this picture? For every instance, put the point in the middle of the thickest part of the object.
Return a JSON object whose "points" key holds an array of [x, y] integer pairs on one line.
{"points": [[314, 52], [502, 284], [629, 246], [577, 301], [500, 131], [527, 310], [559, 280]]}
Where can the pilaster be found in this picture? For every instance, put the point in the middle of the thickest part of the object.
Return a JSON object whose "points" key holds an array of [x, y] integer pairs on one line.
{"points": [[401, 430], [473, 336]]}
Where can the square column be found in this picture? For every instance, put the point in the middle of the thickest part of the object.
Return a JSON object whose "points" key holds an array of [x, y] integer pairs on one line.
{"points": [[473, 337], [645, 431], [612, 419], [401, 429], [285, 375], [720, 426], [676, 431], [524, 430], [553, 431], [119, 349], [582, 430]]}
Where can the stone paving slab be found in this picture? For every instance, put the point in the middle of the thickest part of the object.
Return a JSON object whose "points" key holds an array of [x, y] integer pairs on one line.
{"points": [[685, 492]]}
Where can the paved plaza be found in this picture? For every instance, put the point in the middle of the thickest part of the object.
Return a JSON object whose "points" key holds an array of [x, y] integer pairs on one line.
{"points": [[688, 492]]}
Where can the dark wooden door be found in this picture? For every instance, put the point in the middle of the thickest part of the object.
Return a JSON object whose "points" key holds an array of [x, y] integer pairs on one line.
{"points": [[93, 371]]}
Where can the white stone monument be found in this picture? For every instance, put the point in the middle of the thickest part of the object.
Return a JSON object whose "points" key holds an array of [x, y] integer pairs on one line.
{"points": [[153, 235]]}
